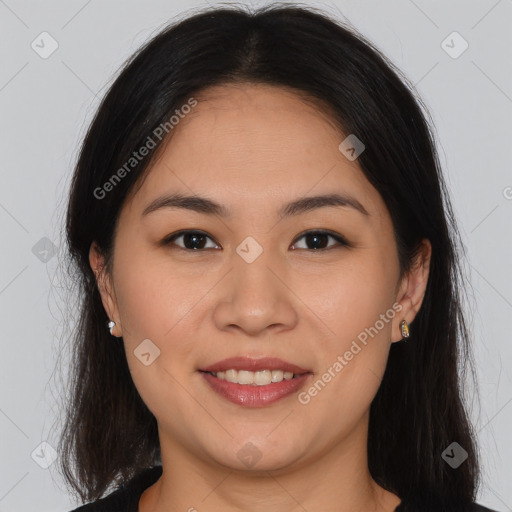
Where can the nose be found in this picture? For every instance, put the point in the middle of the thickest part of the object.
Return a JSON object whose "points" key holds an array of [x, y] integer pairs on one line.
{"points": [[256, 299]]}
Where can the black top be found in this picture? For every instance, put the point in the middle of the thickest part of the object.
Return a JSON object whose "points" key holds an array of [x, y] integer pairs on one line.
{"points": [[127, 496]]}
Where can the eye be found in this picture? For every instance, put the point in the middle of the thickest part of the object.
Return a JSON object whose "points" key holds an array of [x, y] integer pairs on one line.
{"points": [[192, 240], [196, 240], [317, 239]]}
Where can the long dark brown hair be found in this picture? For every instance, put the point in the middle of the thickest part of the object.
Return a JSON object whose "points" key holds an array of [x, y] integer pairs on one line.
{"points": [[109, 434]]}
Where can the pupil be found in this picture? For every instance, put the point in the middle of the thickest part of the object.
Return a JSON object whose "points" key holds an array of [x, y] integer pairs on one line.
{"points": [[315, 237], [193, 236]]}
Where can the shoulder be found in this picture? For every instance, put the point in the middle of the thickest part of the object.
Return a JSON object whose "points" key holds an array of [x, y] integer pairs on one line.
{"points": [[480, 508], [422, 506], [114, 502], [126, 497]]}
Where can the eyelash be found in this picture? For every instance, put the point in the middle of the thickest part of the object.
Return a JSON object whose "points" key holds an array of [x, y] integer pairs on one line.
{"points": [[169, 240]]}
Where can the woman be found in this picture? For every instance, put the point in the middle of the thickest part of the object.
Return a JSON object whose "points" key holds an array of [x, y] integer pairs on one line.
{"points": [[271, 314]]}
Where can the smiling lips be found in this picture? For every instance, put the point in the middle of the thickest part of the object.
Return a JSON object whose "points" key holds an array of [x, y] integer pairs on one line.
{"points": [[254, 382]]}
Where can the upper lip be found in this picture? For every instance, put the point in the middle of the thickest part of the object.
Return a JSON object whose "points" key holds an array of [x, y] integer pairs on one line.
{"points": [[253, 365]]}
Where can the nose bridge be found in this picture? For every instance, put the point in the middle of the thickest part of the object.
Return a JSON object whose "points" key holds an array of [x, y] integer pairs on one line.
{"points": [[257, 298], [253, 282]]}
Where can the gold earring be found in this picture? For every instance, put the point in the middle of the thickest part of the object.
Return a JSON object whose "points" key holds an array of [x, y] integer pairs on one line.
{"points": [[404, 327]]}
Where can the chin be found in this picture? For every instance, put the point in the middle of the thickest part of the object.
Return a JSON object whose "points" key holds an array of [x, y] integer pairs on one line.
{"points": [[258, 456]]}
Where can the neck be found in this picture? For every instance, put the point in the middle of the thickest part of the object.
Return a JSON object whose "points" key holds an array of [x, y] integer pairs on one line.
{"points": [[337, 480]]}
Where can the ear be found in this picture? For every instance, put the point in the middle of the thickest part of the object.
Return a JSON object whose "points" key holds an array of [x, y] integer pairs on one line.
{"points": [[412, 289], [105, 286]]}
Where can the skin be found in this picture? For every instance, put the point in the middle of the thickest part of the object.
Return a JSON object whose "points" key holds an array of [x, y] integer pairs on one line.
{"points": [[253, 148]]}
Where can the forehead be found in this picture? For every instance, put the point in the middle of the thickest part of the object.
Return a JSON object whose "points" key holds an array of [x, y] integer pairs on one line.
{"points": [[259, 116], [256, 143]]}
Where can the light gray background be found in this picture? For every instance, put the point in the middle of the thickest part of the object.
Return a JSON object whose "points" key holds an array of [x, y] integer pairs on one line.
{"points": [[46, 105]]}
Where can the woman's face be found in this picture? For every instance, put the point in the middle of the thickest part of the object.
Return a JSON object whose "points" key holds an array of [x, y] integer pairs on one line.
{"points": [[257, 285]]}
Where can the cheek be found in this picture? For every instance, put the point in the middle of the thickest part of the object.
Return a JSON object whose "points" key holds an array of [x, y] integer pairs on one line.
{"points": [[153, 305], [139, 300], [354, 303], [152, 298], [348, 298]]}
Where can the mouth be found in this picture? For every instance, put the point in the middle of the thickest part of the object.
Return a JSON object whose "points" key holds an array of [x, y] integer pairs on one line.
{"points": [[254, 382], [259, 378]]}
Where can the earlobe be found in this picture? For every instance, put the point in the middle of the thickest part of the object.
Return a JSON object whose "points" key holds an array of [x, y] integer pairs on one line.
{"points": [[412, 291]]}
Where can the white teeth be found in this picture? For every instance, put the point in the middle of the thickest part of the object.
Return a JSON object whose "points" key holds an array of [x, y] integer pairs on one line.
{"points": [[277, 375], [245, 377], [231, 376], [263, 377], [259, 378]]}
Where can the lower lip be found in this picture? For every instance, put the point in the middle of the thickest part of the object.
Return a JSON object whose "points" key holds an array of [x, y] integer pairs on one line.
{"points": [[255, 396]]}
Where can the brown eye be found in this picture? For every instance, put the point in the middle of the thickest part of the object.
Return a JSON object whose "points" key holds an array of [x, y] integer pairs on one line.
{"points": [[318, 240], [197, 240], [192, 240]]}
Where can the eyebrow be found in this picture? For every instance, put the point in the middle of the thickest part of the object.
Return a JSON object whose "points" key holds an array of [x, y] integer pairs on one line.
{"points": [[295, 207]]}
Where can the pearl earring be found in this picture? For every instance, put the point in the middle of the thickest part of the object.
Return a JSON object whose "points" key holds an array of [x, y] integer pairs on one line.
{"points": [[111, 325]]}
